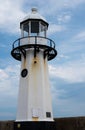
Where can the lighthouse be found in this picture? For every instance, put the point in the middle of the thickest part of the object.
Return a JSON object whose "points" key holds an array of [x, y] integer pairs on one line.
{"points": [[34, 50]]}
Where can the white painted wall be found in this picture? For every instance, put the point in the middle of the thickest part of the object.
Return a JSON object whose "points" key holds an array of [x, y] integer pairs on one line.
{"points": [[31, 40], [34, 90]]}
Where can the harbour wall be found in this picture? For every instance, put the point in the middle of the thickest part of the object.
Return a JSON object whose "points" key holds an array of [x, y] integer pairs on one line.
{"points": [[70, 123]]}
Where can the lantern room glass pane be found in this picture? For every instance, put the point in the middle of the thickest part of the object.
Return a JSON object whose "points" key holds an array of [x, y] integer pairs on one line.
{"points": [[43, 27], [34, 27], [26, 27]]}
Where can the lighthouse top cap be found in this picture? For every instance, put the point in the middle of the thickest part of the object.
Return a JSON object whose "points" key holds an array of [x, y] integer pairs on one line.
{"points": [[34, 15]]}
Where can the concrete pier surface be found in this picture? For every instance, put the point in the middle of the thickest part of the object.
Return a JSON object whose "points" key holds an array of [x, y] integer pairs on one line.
{"points": [[70, 123]]}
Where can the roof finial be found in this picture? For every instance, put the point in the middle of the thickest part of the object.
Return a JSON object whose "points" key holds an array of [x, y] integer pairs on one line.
{"points": [[34, 10]]}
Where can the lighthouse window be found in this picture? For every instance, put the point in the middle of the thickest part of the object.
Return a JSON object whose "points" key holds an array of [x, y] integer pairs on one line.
{"points": [[26, 27], [48, 114], [34, 27], [24, 73], [43, 27]]}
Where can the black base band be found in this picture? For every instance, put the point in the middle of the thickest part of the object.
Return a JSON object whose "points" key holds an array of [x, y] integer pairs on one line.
{"points": [[31, 125]]}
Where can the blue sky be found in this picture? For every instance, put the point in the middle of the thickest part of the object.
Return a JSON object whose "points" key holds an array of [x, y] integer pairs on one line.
{"points": [[67, 71]]}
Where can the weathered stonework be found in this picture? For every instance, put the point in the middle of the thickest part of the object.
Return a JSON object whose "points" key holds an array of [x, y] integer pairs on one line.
{"points": [[70, 123]]}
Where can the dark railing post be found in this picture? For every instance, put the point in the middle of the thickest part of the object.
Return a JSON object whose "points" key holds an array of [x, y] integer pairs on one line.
{"points": [[50, 43], [13, 46], [18, 42], [35, 39], [54, 44]]}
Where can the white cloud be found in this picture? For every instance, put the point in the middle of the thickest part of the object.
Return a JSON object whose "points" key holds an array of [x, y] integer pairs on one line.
{"points": [[70, 72], [80, 36], [10, 15], [64, 18], [62, 56], [54, 6], [72, 45], [11, 12], [9, 80], [53, 28], [9, 84], [74, 3], [3, 75]]}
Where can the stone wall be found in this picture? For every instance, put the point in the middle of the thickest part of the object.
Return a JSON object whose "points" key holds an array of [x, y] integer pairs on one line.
{"points": [[6, 125], [73, 123]]}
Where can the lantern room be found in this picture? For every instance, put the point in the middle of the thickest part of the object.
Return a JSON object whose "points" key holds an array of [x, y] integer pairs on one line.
{"points": [[34, 25], [34, 36]]}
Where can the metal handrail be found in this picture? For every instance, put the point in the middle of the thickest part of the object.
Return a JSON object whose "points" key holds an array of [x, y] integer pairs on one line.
{"points": [[17, 42]]}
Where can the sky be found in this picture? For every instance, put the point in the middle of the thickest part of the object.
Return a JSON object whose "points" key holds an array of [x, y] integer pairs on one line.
{"points": [[66, 20]]}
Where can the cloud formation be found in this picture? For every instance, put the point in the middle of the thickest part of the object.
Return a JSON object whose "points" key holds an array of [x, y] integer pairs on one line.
{"points": [[11, 13], [9, 80], [67, 71], [73, 71], [54, 28]]}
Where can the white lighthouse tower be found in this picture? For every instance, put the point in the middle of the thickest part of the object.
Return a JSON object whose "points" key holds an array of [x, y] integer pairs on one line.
{"points": [[34, 50]]}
